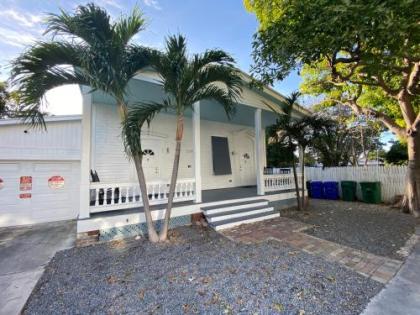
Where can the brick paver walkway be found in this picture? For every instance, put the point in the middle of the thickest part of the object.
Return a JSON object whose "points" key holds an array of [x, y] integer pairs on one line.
{"points": [[379, 268]]}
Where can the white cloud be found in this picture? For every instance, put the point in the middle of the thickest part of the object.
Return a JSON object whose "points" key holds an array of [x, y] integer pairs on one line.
{"points": [[23, 19], [110, 3], [153, 3], [16, 38]]}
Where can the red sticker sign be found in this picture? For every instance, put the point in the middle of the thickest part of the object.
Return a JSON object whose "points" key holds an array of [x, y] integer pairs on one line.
{"points": [[56, 182], [25, 183], [25, 196]]}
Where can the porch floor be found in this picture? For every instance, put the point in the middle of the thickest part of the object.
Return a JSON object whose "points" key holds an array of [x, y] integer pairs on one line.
{"points": [[208, 196]]}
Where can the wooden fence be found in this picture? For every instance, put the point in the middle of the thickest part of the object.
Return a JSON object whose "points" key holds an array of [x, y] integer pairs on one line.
{"points": [[392, 178]]}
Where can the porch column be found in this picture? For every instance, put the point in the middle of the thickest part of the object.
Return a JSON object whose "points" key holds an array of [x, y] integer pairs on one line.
{"points": [[85, 154], [301, 154], [258, 152], [197, 151]]}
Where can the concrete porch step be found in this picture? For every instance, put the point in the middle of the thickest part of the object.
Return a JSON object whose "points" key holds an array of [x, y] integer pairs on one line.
{"points": [[212, 210], [226, 224], [237, 213], [226, 215]]}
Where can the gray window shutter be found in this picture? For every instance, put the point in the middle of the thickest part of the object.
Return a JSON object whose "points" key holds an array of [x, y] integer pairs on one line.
{"points": [[221, 156]]}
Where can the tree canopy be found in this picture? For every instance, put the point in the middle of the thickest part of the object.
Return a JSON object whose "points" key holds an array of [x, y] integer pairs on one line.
{"points": [[397, 154], [364, 50]]}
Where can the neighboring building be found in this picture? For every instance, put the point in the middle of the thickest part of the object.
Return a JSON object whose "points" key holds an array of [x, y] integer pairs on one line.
{"points": [[47, 176]]}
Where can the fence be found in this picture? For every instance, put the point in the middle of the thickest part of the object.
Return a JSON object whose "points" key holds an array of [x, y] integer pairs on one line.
{"points": [[392, 178]]}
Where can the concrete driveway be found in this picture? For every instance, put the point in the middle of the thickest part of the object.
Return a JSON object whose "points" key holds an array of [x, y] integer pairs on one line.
{"points": [[24, 252]]}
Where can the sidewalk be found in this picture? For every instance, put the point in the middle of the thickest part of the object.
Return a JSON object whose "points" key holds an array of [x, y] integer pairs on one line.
{"points": [[402, 294]]}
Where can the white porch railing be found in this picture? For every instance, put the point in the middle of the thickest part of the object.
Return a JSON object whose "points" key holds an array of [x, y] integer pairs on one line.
{"points": [[277, 182], [113, 196]]}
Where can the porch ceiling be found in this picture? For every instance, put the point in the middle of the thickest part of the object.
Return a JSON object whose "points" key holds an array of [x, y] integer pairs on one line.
{"points": [[144, 91]]}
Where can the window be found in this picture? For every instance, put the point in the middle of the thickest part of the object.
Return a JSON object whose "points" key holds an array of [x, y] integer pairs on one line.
{"points": [[148, 152]]}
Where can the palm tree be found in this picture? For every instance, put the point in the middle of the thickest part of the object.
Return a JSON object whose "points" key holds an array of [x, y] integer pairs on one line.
{"points": [[86, 48], [185, 80], [297, 133], [286, 131]]}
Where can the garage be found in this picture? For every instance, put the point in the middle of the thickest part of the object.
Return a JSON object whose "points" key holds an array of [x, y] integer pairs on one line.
{"points": [[39, 171]]}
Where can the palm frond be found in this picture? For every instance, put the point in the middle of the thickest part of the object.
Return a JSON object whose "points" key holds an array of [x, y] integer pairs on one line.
{"points": [[221, 95], [46, 55], [42, 68], [138, 114], [224, 75], [90, 23], [127, 27], [291, 101], [211, 56]]}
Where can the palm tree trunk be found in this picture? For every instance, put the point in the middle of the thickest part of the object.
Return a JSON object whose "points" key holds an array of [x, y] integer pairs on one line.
{"points": [[296, 183], [179, 133], [138, 162], [151, 231]]}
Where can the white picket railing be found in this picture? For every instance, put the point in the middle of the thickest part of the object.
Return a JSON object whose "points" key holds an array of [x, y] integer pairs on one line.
{"points": [[277, 182], [113, 196], [392, 178]]}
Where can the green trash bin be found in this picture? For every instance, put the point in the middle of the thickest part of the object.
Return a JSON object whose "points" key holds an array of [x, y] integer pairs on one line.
{"points": [[371, 192], [348, 189]]}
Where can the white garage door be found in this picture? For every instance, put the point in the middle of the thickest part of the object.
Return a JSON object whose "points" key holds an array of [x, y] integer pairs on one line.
{"points": [[38, 191]]}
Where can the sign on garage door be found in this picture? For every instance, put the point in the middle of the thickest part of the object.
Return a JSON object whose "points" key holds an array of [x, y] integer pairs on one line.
{"points": [[38, 191]]}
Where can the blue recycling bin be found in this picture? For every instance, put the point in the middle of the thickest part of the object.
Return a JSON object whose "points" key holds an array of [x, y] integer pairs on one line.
{"points": [[330, 189], [316, 189]]}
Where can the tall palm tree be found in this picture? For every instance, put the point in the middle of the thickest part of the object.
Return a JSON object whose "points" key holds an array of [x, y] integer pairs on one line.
{"points": [[86, 48], [286, 131], [294, 133], [186, 80]]}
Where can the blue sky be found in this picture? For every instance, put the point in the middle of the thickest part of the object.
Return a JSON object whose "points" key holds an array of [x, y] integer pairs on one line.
{"points": [[206, 23]]}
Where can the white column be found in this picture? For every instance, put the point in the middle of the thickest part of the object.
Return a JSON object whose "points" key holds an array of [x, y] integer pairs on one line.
{"points": [[301, 153], [258, 152], [197, 151], [85, 154]]}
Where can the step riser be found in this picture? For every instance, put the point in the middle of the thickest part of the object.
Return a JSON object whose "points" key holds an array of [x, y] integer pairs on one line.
{"points": [[238, 215], [231, 208], [233, 224]]}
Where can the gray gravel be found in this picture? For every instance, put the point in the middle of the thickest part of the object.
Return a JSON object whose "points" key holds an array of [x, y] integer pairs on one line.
{"points": [[198, 271], [378, 229]]}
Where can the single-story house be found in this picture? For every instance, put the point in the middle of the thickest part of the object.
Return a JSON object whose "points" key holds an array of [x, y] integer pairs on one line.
{"points": [[77, 169]]}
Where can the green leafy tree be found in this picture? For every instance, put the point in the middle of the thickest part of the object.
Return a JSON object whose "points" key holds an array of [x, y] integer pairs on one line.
{"points": [[89, 49], [397, 154], [278, 154], [362, 54], [344, 137], [186, 81], [10, 106]]}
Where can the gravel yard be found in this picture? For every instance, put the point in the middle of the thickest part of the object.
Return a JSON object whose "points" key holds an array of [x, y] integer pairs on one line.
{"points": [[378, 229], [198, 271]]}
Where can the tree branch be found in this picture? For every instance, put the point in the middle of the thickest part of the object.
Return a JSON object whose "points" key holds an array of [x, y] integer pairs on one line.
{"points": [[413, 79], [385, 119]]}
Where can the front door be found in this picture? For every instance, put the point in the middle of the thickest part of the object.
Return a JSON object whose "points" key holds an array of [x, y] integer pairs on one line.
{"points": [[246, 160], [152, 154]]}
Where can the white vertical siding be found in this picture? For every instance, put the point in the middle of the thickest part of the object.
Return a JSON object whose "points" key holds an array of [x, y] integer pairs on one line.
{"points": [[61, 141], [112, 164]]}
